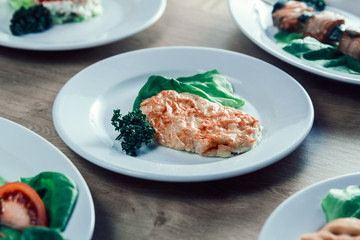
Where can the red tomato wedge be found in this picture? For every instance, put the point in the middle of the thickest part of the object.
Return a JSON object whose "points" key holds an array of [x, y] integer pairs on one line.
{"points": [[21, 206]]}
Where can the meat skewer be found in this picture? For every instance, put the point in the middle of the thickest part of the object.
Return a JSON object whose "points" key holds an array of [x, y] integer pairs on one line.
{"points": [[327, 27], [285, 16], [349, 43]]}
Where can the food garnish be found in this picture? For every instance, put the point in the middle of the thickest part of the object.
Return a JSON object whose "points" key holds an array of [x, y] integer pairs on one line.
{"points": [[37, 207], [134, 130], [31, 20], [210, 85], [34, 16], [308, 34]]}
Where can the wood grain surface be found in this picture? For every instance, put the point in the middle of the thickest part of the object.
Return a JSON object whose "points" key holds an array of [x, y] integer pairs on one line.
{"points": [[235, 208]]}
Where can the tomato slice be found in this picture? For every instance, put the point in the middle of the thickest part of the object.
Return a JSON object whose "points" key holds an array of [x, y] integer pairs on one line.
{"points": [[21, 206]]}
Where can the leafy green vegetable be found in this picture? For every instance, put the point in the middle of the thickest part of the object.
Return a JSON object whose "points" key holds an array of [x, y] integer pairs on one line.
{"points": [[134, 130], [30, 233], [59, 194], [30, 20], [310, 49], [36, 233], [2, 181], [210, 85], [16, 4], [60, 18], [10, 233], [319, 5], [340, 203]]}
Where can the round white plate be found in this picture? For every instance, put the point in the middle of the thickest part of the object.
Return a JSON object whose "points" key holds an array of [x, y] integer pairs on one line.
{"points": [[83, 109], [23, 153], [302, 213], [254, 19], [120, 19]]}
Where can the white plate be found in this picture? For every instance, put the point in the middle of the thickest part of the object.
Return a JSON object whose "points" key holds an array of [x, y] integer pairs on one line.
{"points": [[83, 109], [302, 213], [254, 19], [120, 19], [25, 154]]}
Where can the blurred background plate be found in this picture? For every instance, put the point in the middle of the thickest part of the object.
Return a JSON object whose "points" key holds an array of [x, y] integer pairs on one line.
{"points": [[23, 153], [301, 213], [254, 20], [120, 19]]}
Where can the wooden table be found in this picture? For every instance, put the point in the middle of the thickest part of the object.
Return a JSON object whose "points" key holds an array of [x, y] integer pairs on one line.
{"points": [[236, 208]]}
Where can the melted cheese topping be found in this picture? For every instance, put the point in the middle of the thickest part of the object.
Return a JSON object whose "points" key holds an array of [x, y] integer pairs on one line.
{"points": [[185, 121]]}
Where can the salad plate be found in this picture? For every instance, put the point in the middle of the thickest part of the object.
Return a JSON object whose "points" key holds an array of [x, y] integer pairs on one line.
{"points": [[120, 19], [23, 153], [83, 109], [306, 206], [254, 20]]}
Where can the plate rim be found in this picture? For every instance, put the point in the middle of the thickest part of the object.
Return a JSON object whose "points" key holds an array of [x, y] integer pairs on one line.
{"points": [[98, 42], [84, 187], [280, 207], [284, 56], [164, 177]]}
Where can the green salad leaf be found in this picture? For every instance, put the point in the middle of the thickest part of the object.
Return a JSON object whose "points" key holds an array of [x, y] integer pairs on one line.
{"points": [[59, 194], [2, 181], [210, 85], [310, 49], [36, 233], [341, 203], [16, 4]]}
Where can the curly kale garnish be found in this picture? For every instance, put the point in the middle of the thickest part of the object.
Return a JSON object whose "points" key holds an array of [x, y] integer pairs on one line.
{"points": [[31, 20], [134, 130]]}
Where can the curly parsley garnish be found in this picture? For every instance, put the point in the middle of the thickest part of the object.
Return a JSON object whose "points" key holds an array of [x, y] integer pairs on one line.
{"points": [[134, 130]]}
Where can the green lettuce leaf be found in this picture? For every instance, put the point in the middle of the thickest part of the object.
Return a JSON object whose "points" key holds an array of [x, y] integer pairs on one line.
{"points": [[210, 85], [10, 233], [59, 194], [341, 203], [2, 181], [36, 233], [16, 4], [310, 49]]}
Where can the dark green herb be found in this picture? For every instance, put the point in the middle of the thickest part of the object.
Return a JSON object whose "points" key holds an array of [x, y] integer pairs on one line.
{"points": [[134, 130], [318, 5], [31, 20]]}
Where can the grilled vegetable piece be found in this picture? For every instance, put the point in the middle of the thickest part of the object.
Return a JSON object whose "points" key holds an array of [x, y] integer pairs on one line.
{"points": [[349, 43], [286, 17], [31, 20], [320, 25]]}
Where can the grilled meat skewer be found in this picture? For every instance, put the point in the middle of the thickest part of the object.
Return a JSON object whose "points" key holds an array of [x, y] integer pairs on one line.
{"points": [[327, 27]]}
